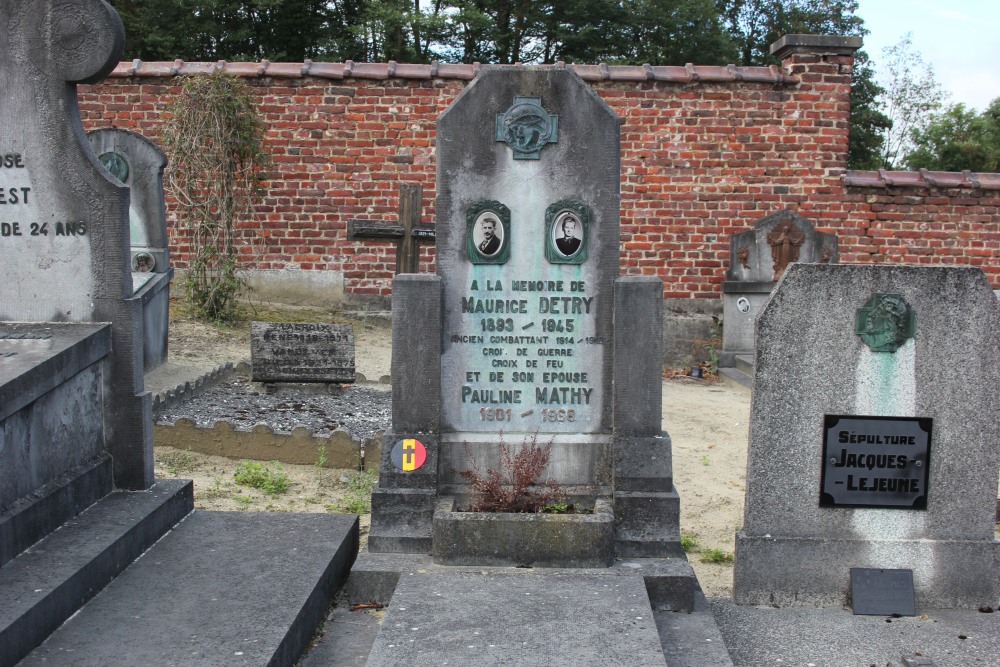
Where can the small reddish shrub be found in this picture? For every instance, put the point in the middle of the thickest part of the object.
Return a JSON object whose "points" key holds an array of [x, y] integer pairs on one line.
{"points": [[512, 487]]}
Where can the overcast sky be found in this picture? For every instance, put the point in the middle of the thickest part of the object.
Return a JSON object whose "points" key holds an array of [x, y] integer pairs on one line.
{"points": [[960, 38]]}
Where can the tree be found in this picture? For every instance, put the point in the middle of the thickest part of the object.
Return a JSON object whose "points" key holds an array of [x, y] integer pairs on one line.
{"points": [[666, 32], [957, 139], [756, 24], [912, 95], [868, 122]]}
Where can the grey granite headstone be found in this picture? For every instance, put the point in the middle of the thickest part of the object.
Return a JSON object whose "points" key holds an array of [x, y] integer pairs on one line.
{"points": [[138, 163], [817, 356], [527, 328], [757, 258], [301, 352], [64, 234]]}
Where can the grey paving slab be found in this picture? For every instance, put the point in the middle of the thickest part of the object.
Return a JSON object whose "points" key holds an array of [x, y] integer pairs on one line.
{"points": [[692, 640], [834, 637], [347, 638], [220, 589], [517, 619]]}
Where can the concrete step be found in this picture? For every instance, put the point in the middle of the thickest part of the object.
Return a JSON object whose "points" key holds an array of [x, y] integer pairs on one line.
{"points": [[733, 377], [51, 580], [744, 363], [739, 372], [670, 582], [222, 588]]}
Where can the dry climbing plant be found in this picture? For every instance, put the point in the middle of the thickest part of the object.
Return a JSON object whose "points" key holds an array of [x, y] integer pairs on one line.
{"points": [[215, 139], [513, 486]]}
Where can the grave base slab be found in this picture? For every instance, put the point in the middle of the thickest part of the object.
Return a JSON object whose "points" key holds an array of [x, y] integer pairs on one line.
{"points": [[947, 574], [515, 618], [222, 588]]}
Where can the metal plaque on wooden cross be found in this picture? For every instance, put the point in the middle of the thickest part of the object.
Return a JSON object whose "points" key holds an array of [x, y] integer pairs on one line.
{"points": [[408, 231]]}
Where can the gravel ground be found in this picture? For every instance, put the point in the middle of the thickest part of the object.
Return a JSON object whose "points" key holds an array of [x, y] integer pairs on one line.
{"points": [[361, 411]]}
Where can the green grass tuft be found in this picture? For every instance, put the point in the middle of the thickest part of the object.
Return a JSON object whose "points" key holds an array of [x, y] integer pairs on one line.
{"points": [[262, 476], [714, 555]]}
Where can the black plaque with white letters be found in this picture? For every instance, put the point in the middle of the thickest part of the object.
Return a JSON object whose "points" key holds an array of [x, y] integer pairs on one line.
{"points": [[875, 462]]}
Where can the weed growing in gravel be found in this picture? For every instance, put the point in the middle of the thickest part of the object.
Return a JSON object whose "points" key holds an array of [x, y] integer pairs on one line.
{"points": [[320, 462], [178, 462], [243, 500], [216, 490], [262, 476], [557, 507], [705, 461], [715, 555], [358, 496], [688, 542]]}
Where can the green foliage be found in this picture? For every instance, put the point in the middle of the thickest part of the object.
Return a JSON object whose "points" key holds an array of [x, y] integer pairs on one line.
{"points": [[558, 507], [912, 95], [958, 139], [262, 476], [214, 137], [716, 555], [688, 542], [358, 496], [868, 122]]}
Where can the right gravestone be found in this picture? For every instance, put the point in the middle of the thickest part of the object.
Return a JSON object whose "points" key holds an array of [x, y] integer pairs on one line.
{"points": [[873, 436]]}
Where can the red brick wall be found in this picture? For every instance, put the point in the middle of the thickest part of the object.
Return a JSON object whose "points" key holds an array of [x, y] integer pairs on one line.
{"points": [[706, 152]]}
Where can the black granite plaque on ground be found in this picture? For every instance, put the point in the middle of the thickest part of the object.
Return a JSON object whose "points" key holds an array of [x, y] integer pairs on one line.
{"points": [[875, 462], [876, 592], [297, 352]]}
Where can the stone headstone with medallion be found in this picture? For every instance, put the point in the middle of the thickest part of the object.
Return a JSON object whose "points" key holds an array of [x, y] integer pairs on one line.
{"points": [[139, 163], [873, 436], [527, 330]]}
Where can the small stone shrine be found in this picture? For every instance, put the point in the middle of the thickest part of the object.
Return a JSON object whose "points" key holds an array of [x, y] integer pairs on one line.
{"points": [[138, 163], [873, 438], [527, 328], [757, 260]]}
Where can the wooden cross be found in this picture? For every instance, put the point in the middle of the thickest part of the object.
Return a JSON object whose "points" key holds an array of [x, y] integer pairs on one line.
{"points": [[407, 230]]}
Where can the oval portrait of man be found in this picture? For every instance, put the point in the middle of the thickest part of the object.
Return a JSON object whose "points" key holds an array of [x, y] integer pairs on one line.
{"points": [[487, 234], [567, 234]]}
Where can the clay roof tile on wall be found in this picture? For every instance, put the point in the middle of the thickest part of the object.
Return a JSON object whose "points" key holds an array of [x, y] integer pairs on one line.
{"points": [[465, 72], [921, 179]]}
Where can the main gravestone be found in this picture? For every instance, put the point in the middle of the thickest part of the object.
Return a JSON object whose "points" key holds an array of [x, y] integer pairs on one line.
{"points": [[873, 437], [527, 329]]}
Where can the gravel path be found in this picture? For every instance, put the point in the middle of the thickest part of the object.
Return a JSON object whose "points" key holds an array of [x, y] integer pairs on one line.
{"points": [[361, 411]]}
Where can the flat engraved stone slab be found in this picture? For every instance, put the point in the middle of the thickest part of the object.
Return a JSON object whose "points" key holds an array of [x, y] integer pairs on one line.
{"points": [[518, 619], [299, 352]]}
